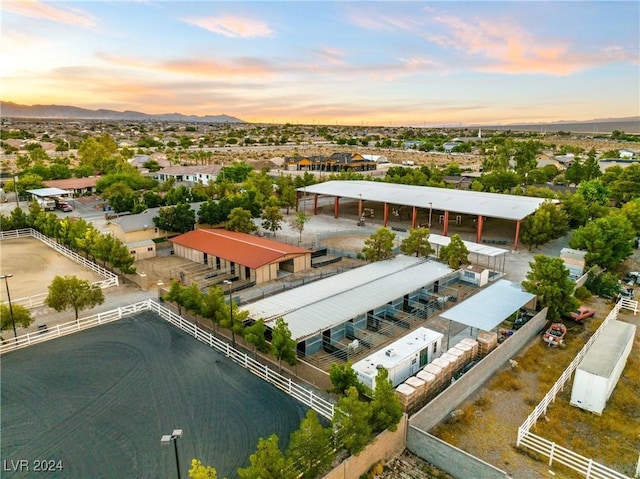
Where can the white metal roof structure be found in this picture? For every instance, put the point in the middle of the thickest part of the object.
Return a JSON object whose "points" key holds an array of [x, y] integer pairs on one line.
{"points": [[315, 307], [41, 192], [488, 308], [489, 252], [605, 352], [494, 205]]}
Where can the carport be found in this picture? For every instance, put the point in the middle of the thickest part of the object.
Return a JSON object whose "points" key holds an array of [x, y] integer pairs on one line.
{"points": [[488, 252], [488, 308]]}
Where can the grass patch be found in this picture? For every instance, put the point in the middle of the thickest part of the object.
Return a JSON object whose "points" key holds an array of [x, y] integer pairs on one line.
{"points": [[508, 380]]}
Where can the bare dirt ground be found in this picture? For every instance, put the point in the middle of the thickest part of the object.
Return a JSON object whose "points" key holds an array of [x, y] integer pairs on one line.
{"points": [[34, 265], [486, 425]]}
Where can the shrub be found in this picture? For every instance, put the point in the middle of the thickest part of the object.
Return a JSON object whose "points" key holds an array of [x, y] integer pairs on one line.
{"points": [[582, 293]]}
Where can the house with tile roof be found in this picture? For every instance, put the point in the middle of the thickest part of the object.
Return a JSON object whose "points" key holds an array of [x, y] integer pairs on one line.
{"points": [[244, 256], [191, 175]]}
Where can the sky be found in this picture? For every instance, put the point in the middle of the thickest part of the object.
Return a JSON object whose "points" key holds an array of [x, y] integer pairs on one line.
{"points": [[395, 63]]}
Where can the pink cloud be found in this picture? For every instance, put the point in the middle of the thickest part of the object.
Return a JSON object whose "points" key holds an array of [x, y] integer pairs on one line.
{"points": [[330, 55], [45, 11], [243, 67], [231, 26]]}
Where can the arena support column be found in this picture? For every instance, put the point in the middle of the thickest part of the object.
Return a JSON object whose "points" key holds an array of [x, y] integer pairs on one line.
{"points": [[336, 207], [515, 244], [414, 217], [445, 228], [385, 215], [479, 234], [315, 204]]}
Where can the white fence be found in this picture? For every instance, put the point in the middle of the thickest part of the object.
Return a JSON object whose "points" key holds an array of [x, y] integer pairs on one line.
{"points": [[305, 396], [585, 466], [37, 300], [64, 329]]}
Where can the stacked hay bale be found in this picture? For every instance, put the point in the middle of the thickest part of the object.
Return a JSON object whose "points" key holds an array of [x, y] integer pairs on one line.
{"points": [[430, 389], [487, 342], [457, 358], [420, 391], [407, 396], [475, 347]]}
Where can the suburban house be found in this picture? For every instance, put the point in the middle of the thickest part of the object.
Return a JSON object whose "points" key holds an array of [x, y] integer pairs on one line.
{"points": [[138, 231], [191, 175], [628, 153], [335, 162], [75, 186], [243, 256]]}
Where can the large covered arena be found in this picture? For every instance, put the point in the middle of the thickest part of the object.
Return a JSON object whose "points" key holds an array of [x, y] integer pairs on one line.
{"points": [[101, 399]]}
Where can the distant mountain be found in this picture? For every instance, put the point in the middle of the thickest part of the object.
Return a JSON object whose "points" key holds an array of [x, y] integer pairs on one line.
{"points": [[630, 124], [63, 112]]}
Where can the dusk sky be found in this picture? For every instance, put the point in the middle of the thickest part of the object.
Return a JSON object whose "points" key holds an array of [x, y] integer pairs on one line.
{"points": [[348, 63]]}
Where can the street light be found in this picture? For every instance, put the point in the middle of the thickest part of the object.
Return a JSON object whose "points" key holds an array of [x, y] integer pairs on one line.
{"points": [[173, 437], [233, 335], [13, 321], [15, 189], [430, 209]]}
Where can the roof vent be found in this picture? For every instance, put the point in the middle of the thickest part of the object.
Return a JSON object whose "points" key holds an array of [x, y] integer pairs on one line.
{"points": [[390, 352]]}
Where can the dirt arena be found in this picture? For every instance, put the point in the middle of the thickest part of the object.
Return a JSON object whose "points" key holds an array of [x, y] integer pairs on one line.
{"points": [[100, 400], [34, 265]]}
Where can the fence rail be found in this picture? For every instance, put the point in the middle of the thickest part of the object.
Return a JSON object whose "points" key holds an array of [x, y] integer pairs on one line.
{"points": [[585, 466], [305, 396], [37, 300]]}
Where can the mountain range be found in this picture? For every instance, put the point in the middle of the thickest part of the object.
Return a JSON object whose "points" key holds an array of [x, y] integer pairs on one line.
{"points": [[64, 112]]}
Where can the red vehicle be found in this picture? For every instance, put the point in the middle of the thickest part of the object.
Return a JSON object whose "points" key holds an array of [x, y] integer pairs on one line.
{"points": [[554, 336], [583, 313]]}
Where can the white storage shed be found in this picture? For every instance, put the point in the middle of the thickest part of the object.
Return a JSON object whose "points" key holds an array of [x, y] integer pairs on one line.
{"points": [[402, 358], [598, 373]]}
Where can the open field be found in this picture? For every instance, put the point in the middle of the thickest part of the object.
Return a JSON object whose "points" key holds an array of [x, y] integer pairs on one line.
{"points": [[34, 265], [101, 399]]}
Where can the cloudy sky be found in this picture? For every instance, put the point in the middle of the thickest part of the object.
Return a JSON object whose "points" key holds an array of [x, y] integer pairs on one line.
{"points": [[325, 62]]}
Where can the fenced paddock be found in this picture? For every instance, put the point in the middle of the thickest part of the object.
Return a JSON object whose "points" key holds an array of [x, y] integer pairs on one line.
{"points": [[582, 465], [33, 268], [101, 399]]}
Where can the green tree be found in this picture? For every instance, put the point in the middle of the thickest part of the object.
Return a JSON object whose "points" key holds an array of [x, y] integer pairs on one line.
{"points": [[577, 209], [199, 471], [379, 246], [272, 219], [455, 253], [298, 222], [71, 292], [632, 212], [536, 229], [352, 422], [594, 192], [386, 409], [214, 306], [343, 377], [417, 243], [310, 447], [607, 240], [175, 295], [548, 278], [268, 462], [287, 192], [254, 335], [21, 316], [177, 219], [282, 344], [240, 220], [234, 320]]}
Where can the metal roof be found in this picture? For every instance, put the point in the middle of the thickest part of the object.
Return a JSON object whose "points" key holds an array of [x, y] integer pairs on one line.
{"points": [[318, 306], [475, 248], [605, 352], [240, 248], [48, 192], [488, 308], [509, 207]]}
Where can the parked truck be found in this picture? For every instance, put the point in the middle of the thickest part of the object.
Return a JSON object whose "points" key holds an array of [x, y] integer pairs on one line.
{"points": [[45, 203]]}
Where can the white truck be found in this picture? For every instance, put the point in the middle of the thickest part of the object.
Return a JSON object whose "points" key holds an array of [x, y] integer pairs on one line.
{"points": [[45, 203]]}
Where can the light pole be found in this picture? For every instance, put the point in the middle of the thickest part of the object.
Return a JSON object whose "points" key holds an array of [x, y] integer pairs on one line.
{"points": [[430, 210], [15, 188], [173, 437], [233, 334], [13, 321]]}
